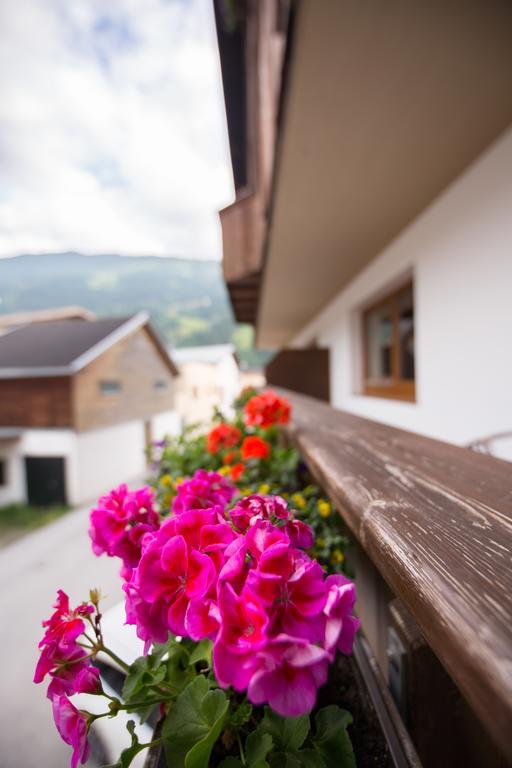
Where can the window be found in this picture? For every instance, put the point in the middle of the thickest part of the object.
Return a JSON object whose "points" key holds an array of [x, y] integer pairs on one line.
{"points": [[388, 345], [160, 385], [110, 387], [3, 472]]}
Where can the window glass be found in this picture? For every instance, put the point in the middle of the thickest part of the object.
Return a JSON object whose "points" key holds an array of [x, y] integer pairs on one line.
{"points": [[110, 387], [3, 473], [406, 334], [379, 330], [388, 329]]}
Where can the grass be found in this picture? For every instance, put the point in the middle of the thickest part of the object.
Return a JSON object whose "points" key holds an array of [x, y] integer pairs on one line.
{"points": [[18, 519]]}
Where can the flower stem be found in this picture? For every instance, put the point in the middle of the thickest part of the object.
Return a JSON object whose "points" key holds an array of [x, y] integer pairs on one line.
{"points": [[140, 704], [242, 755], [115, 657]]}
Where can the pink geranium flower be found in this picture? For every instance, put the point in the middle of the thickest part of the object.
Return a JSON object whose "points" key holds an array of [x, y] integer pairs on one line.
{"points": [[252, 508], [61, 656], [72, 727], [289, 671], [83, 679], [178, 566], [340, 625], [301, 600], [202, 491], [119, 523], [274, 509], [150, 619], [174, 575], [243, 626], [65, 624]]}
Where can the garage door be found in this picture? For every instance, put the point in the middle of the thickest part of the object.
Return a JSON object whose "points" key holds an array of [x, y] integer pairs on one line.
{"points": [[45, 480]]}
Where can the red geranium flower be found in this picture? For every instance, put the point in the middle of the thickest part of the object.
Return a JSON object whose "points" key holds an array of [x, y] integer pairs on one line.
{"points": [[237, 470], [229, 458], [255, 448], [223, 436], [267, 409]]}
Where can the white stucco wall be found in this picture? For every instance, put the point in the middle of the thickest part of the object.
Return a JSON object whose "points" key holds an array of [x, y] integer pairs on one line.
{"points": [[13, 489], [106, 457], [459, 252], [168, 423]]}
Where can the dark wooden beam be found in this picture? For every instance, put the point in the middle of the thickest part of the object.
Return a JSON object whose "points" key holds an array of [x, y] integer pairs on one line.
{"points": [[302, 370], [436, 520]]}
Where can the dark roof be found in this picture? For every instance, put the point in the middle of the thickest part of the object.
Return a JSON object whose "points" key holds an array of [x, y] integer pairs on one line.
{"points": [[63, 347], [54, 344]]}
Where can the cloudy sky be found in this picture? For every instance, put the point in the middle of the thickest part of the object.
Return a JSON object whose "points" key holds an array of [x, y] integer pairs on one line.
{"points": [[112, 133]]}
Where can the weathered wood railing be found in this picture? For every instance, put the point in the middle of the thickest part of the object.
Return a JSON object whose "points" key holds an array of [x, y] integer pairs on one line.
{"points": [[436, 521]]}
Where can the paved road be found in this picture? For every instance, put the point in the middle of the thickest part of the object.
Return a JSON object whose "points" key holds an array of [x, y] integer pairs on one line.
{"points": [[31, 571]]}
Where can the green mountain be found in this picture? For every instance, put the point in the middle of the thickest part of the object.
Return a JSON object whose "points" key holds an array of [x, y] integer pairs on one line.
{"points": [[187, 300]]}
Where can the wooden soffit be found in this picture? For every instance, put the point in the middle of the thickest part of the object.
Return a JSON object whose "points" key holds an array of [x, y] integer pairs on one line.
{"points": [[385, 104]]}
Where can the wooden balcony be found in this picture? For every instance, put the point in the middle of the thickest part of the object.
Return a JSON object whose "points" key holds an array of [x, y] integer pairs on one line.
{"points": [[433, 526]]}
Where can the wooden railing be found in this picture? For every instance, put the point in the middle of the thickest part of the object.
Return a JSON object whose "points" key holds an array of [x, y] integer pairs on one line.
{"points": [[436, 521], [302, 370]]}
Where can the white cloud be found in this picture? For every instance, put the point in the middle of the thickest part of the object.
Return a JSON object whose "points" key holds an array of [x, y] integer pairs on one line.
{"points": [[112, 135]]}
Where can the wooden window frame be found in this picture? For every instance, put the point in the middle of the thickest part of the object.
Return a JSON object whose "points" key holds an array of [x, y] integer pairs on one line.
{"points": [[394, 388]]}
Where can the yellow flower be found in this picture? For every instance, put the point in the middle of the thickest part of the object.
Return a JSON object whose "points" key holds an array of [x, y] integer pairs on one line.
{"points": [[337, 557], [299, 500], [246, 491], [320, 542], [179, 480], [264, 489], [224, 470], [167, 499], [166, 480], [324, 508]]}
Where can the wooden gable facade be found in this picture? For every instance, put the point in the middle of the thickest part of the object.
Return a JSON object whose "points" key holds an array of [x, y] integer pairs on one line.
{"points": [[144, 378]]}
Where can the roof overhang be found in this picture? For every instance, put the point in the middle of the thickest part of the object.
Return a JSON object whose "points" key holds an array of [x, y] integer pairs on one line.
{"points": [[385, 104]]}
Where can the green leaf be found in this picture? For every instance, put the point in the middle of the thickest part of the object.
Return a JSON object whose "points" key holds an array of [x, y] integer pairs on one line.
{"points": [[128, 754], [179, 673], [257, 747], [145, 672], [202, 652], [241, 715], [194, 724], [331, 738], [285, 760], [231, 762], [134, 679], [288, 733], [309, 758]]}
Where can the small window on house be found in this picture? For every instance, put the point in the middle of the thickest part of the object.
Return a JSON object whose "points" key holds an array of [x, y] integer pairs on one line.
{"points": [[3, 472], [388, 344], [160, 385], [110, 387]]}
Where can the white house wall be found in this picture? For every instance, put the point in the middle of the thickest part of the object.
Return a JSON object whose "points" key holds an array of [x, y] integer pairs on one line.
{"points": [[168, 423], [106, 457], [14, 488], [459, 252]]}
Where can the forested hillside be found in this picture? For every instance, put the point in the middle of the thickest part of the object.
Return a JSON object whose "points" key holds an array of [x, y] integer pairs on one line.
{"points": [[187, 299]]}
